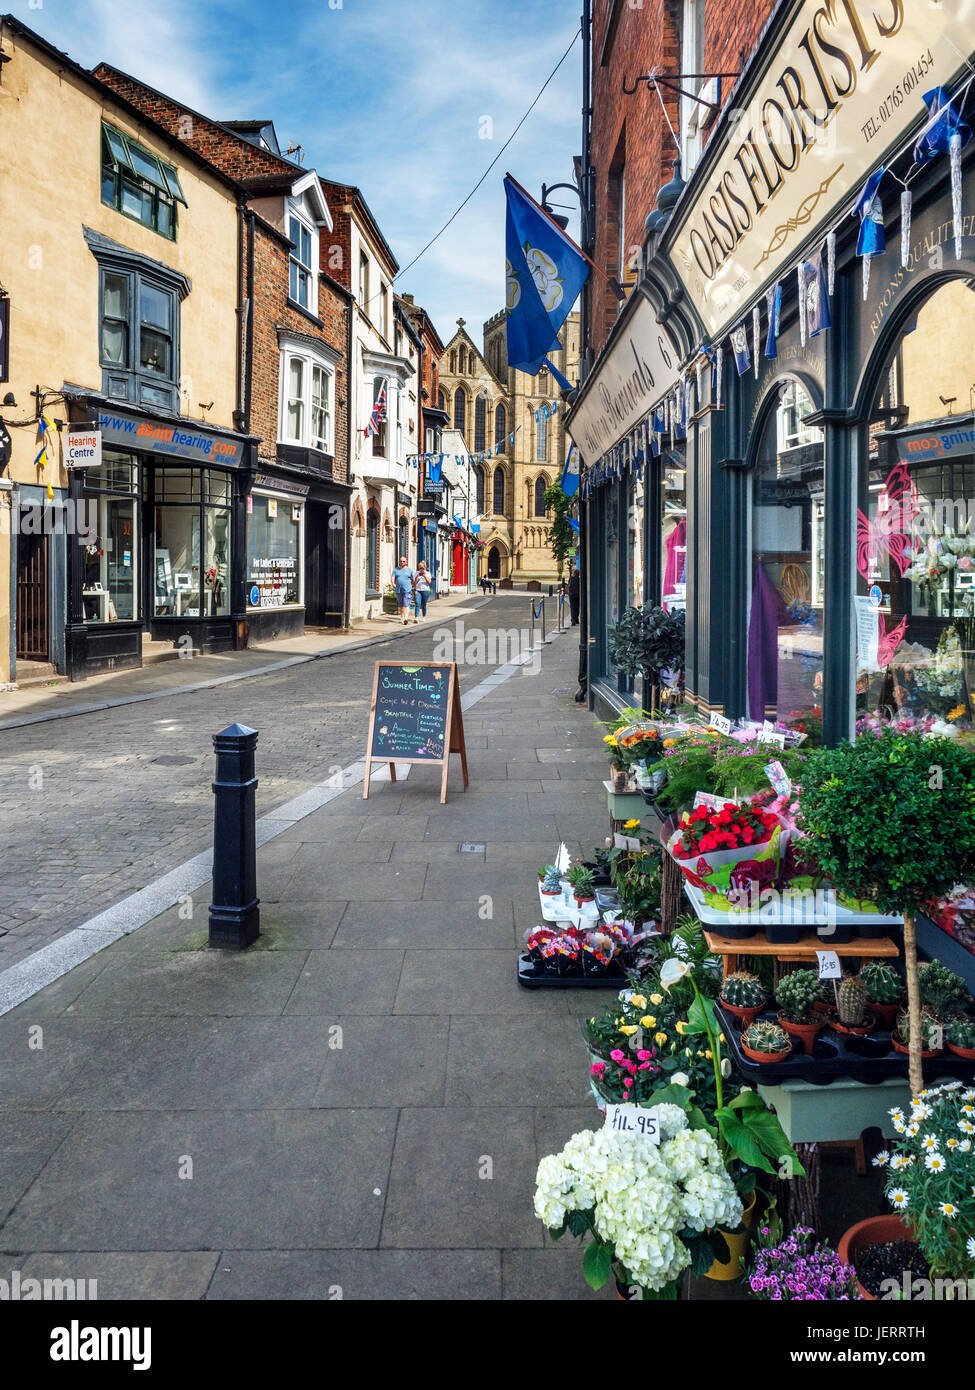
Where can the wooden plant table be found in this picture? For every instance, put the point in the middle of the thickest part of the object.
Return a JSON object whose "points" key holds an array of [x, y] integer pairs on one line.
{"points": [[805, 948]]}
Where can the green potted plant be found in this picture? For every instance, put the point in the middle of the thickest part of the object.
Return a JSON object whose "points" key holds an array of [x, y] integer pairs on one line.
{"points": [[639, 890], [766, 1043], [645, 642], [941, 990], [960, 1036], [929, 1032], [551, 880], [884, 990], [583, 884], [743, 996], [619, 768], [851, 1014], [796, 995], [890, 818]]}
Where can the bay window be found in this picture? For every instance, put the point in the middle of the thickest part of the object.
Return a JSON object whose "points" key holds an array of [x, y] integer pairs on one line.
{"points": [[307, 393], [139, 184], [139, 338]]}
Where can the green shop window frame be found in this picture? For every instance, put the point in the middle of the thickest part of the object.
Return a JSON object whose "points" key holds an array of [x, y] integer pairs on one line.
{"points": [[138, 184]]}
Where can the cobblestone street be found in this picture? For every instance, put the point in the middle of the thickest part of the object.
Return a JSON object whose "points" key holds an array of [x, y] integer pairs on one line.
{"points": [[98, 805]]}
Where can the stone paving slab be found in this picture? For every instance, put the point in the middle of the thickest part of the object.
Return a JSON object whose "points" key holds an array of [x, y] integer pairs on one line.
{"points": [[450, 925], [124, 1275], [269, 1179], [358, 1274]]}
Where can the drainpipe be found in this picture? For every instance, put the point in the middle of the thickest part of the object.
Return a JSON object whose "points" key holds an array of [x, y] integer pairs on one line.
{"points": [[349, 477], [248, 369]]}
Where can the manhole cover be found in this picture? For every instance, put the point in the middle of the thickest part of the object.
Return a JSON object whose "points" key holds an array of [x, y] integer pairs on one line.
{"points": [[174, 760], [468, 847]]}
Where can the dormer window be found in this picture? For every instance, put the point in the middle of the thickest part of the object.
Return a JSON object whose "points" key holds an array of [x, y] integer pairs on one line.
{"points": [[138, 183]]}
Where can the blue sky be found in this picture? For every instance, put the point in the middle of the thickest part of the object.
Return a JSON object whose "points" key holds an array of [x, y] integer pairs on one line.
{"points": [[381, 93]]}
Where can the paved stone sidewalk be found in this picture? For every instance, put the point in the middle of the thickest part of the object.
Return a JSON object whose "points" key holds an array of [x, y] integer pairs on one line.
{"points": [[358, 1101]]}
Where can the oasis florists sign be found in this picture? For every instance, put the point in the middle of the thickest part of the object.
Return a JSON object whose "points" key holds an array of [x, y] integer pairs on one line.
{"points": [[841, 91], [636, 372]]}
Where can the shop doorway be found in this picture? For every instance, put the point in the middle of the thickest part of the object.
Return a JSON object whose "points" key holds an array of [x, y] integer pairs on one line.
{"points": [[33, 597], [494, 563], [324, 564]]}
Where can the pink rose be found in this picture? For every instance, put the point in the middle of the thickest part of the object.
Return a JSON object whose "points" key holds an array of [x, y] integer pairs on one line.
{"points": [[643, 1055], [598, 1068], [617, 1055], [628, 1081]]}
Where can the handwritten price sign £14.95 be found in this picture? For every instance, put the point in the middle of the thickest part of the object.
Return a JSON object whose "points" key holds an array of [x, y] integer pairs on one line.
{"points": [[633, 1119]]}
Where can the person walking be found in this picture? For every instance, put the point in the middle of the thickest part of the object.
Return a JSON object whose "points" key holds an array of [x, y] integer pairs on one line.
{"points": [[403, 578], [421, 590], [574, 595]]}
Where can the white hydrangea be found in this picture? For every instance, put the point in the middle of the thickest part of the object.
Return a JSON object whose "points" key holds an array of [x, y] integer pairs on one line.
{"points": [[641, 1195]]}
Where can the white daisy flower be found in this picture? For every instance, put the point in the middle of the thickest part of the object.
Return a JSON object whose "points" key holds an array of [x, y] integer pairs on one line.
{"points": [[970, 1246], [965, 1146], [935, 1163], [966, 1127], [953, 1143], [968, 1110], [900, 1126], [968, 1095], [912, 1130], [881, 1159], [948, 1209], [899, 1161], [898, 1198], [930, 1142]]}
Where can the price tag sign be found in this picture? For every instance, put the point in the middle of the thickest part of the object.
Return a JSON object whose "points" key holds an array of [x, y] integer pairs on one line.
{"points": [[779, 778], [829, 965], [719, 722], [625, 841], [633, 1119], [770, 736]]}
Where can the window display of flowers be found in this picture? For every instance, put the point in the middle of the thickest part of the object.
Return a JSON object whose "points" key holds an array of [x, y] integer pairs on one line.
{"points": [[650, 1211], [933, 1176], [944, 677], [801, 1269]]}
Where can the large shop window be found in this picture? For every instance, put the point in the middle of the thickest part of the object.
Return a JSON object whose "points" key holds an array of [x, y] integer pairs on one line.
{"points": [[109, 589], [785, 634], [673, 532], [915, 542], [192, 543], [274, 545]]}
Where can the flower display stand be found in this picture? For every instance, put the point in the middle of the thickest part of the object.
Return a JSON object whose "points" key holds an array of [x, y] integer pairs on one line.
{"points": [[731, 951], [624, 806], [836, 1113]]}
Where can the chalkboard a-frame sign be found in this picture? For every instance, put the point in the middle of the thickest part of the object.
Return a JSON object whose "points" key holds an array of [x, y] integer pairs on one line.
{"points": [[415, 717]]}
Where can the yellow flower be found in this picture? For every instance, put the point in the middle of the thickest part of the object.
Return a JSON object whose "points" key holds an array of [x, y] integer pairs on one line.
{"points": [[721, 1037], [611, 740], [628, 1028], [660, 1037], [682, 1028], [631, 825], [707, 1054], [638, 1001], [669, 742], [656, 999], [955, 713], [648, 1021]]}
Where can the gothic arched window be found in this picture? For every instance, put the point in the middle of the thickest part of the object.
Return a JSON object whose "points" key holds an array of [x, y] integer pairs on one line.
{"points": [[498, 503], [500, 427], [540, 486], [460, 410], [480, 431]]}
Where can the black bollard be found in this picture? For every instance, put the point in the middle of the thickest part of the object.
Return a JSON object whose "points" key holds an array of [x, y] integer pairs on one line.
{"points": [[235, 918], [551, 591]]}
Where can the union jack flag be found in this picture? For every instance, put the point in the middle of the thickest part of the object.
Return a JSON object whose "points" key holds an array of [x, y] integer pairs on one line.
{"points": [[378, 414]]}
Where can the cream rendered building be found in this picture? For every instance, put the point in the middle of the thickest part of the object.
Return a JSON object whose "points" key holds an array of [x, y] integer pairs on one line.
{"points": [[488, 403]]}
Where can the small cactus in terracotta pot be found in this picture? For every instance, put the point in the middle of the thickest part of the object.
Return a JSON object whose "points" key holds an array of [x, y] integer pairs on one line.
{"points": [[742, 995], [932, 1034], [551, 880], [851, 1014], [765, 1042], [960, 1036], [885, 988], [796, 995]]}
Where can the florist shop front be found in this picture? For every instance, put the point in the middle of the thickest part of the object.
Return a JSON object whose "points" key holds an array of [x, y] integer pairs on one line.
{"points": [[806, 468], [164, 557]]}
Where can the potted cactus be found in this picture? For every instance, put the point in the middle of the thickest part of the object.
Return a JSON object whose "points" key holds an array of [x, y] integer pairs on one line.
{"points": [[884, 990], [850, 1014], [766, 1043], [960, 1036], [796, 995], [743, 996], [583, 884], [931, 1033], [941, 990], [551, 880]]}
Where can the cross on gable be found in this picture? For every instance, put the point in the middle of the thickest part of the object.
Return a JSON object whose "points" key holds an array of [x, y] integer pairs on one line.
{"points": [[461, 322]]}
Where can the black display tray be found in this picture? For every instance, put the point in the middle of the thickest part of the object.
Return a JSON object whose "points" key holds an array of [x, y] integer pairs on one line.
{"points": [[531, 978], [869, 1058]]}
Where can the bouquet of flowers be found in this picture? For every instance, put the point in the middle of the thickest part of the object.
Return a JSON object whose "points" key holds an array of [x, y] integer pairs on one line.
{"points": [[945, 674], [932, 1176], [726, 827], [650, 1210], [801, 1269], [942, 553]]}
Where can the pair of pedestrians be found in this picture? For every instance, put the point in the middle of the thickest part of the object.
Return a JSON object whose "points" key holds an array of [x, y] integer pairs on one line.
{"points": [[412, 586]]}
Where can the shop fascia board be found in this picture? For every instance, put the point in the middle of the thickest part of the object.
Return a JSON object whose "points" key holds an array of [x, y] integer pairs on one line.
{"points": [[78, 395]]}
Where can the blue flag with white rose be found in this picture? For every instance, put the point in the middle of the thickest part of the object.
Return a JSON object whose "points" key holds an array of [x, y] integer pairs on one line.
{"points": [[544, 274]]}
